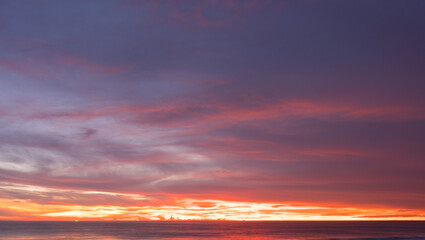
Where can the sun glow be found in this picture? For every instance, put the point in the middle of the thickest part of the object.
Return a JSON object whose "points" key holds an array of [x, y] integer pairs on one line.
{"points": [[177, 208]]}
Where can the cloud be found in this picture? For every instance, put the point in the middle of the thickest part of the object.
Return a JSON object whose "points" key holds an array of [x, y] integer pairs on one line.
{"points": [[274, 102]]}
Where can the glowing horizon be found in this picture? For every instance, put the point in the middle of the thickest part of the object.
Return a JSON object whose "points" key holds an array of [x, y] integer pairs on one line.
{"points": [[184, 209]]}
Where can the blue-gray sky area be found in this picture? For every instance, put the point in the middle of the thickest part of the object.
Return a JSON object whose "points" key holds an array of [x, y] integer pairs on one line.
{"points": [[316, 103]]}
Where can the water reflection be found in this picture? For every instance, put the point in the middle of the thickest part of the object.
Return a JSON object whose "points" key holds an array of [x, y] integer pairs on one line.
{"points": [[210, 230]]}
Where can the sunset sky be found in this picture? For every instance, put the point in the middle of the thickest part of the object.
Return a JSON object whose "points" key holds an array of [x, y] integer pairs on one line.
{"points": [[212, 109]]}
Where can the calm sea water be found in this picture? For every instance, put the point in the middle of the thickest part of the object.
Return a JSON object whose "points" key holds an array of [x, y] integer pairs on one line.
{"points": [[211, 230]]}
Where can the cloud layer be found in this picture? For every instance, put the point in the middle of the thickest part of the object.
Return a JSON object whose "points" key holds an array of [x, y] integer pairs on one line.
{"points": [[155, 105]]}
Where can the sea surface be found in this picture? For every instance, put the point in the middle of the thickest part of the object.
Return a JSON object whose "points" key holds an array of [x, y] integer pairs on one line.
{"points": [[190, 230]]}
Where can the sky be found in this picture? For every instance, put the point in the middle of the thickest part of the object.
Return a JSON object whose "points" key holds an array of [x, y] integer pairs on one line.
{"points": [[212, 110]]}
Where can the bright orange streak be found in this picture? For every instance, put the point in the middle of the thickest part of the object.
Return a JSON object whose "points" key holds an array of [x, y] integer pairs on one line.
{"points": [[180, 209], [192, 209]]}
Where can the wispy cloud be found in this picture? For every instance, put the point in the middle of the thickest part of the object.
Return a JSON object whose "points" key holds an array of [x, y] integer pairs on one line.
{"points": [[130, 109]]}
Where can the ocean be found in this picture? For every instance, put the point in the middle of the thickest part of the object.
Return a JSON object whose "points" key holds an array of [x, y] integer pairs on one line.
{"points": [[190, 230]]}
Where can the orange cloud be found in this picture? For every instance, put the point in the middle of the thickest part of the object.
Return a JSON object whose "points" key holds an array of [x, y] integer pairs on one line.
{"points": [[187, 209]]}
